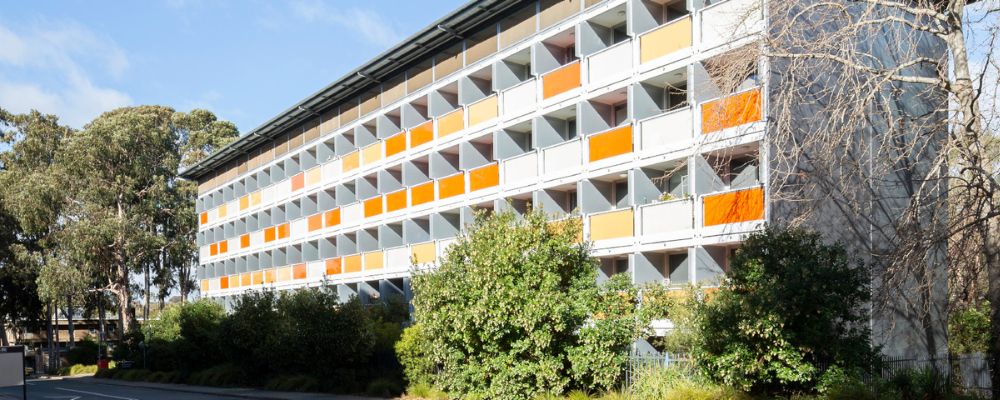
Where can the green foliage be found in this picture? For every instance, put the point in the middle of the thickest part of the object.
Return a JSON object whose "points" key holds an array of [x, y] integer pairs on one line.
{"points": [[514, 310], [789, 305], [84, 352], [425, 391], [78, 369], [381, 387], [969, 330], [224, 375], [678, 384]]}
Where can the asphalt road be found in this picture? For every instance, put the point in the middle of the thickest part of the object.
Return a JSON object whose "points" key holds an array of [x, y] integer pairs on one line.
{"points": [[69, 389]]}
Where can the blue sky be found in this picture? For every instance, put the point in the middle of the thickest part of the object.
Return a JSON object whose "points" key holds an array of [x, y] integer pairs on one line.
{"points": [[245, 60]]}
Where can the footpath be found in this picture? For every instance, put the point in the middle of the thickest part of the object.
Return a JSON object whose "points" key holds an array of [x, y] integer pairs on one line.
{"points": [[241, 393]]}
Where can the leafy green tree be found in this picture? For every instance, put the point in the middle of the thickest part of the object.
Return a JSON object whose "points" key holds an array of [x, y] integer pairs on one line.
{"points": [[969, 330], [789, 306], [514, 310]]}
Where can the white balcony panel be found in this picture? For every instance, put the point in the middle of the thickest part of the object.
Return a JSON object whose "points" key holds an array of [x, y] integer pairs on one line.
{"points": [[331, 171], [443, 245], [267, 195], [315, 269], [351, 215], [299, 228], [204, 253], [666, 217], [728, 21], [520, 99], [256, 238], [213, 284], [669, 131], [563, 157], [520, 169], [609, 64], [397, 258]]}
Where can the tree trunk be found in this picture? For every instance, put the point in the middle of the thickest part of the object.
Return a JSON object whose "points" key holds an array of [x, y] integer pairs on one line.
{"points": [[3, 333], [993, 268], [49, 335], [102, 332], [69, 320], [145, 304]]}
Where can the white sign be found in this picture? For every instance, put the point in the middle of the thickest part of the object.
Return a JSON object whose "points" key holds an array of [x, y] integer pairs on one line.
{"points": [[11, 366]]}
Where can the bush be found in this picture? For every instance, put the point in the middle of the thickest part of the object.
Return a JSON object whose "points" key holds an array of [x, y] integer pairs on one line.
{"points": [[83, 352], [425, 391], [382, 387], [969, 330], [133, 375], [411, 349], [789, 300], [293, 383], [106, 373], [225, 375], [679, 384], [514, 310]]}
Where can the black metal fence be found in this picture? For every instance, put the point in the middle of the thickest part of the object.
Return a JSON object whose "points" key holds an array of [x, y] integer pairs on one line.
{"points": [[970, 372]]}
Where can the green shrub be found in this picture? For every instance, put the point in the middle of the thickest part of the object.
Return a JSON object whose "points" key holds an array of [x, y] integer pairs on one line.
{"points": [[134, 375], [425, 391], [514, 310], [225, 375], [678, 384], [791, 300], [412, 352], [969, 330], [293, 383], [383, 387], [78, 369], [83, 352]]}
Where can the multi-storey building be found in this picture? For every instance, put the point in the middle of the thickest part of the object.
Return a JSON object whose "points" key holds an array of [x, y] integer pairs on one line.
{"points": [[598, 110]]}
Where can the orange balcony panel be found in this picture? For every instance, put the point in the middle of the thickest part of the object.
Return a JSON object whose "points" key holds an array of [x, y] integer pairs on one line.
{"points": [[422, 193], [484, 177], [451, 123], [269, 234], [298, 181], [727, 112], [611, 143], [332, 218], [223, 246], [451, 186], [395, 201], [245, 241], [224, 282], [731, 207], [283, 231], [269, 276], [395, 144], [299, 271], [374, 260], [373, 206], [213, 249], [352, 263], [562, 80], [333, 266], [244, 202], [351, 161], [245, 279], [257, 278], [421, 134], [315, 222], [204, 218]]}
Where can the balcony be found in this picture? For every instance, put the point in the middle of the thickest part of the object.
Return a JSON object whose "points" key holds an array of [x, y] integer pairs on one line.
{"points": [[731, 111], [665, 40], [371, 154], [396, 201], [451, 186], [484, 177], [423, 253], [395, 144], [483, 110], [671, 130], [609, 64], [612, 225], [522, 168], [666, 217], [561, 80], [610, 143], [420, 134], [562, 158], [732, 207], [451, 123], [520, 99], [728, 21]]}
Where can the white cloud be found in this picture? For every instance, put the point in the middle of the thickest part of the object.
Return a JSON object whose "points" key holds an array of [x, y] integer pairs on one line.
{"points": [[52, 62], [370, 25]]}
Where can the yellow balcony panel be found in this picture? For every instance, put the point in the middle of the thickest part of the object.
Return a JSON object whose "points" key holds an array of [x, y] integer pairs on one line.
{"points": [[424, 253], [451, 123], [666, 39], [314, 176], [257, 278], [371, 154], [222, 211], [204, 285], [245, 279], [483, 110], [611, 225], [269, 276], [244, 202], [352, 263], [351, 161], [255, 198], [374, 261], [284, 274], [731, 207]]}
